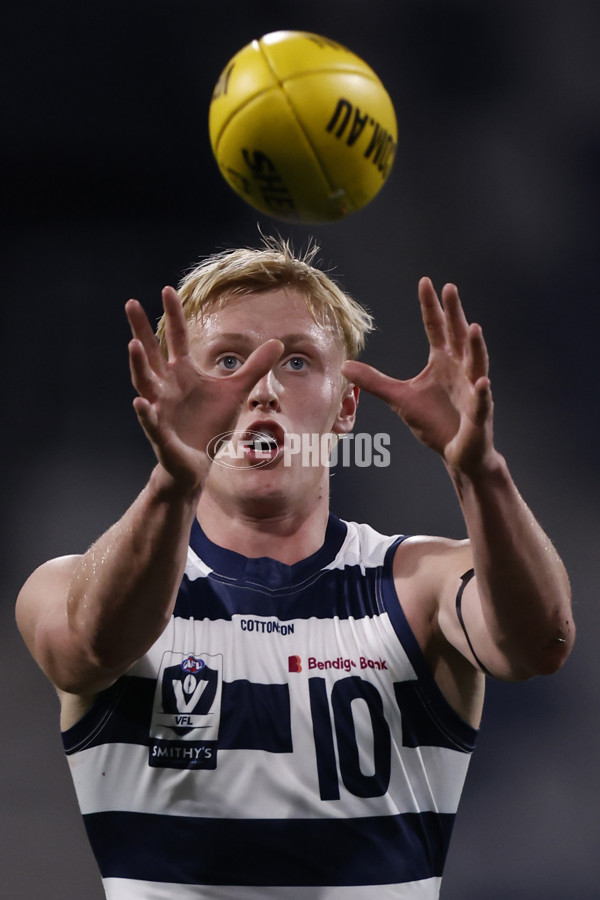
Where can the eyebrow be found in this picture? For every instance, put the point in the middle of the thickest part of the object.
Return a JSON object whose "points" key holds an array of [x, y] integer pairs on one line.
{"points": [[240, 337], [244, 338]]}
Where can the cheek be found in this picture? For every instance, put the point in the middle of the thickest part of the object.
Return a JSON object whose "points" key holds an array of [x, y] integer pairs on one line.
{"points": [[322, 401]]}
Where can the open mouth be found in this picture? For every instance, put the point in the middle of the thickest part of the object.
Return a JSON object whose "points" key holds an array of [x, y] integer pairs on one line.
{"points": [[262, 443], [263, 447], [257, 446]]}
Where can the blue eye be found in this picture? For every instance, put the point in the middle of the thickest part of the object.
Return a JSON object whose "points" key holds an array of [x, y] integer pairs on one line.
{"points": [[230, 363], [296, 363]]}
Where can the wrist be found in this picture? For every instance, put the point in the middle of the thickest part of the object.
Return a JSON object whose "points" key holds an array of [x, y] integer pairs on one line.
{"points": [[164, 488], [491, 471]]}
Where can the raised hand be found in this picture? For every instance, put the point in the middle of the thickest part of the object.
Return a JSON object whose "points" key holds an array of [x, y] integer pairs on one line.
{"points": [[448, 406], [180, 408]]}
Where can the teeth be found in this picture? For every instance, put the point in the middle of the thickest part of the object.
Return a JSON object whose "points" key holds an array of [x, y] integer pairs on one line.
{"points": [[265, 442]]}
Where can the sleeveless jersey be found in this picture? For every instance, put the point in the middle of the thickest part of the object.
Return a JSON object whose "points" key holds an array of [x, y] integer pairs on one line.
{"points": [[284, 738]]}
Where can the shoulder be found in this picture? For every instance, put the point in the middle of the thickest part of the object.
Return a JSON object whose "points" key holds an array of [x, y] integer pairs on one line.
{"points": [[429, 560], [366, 546]]}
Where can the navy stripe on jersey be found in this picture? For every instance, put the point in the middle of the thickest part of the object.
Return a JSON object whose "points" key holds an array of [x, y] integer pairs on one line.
{"points": [[253, 717], [106, 711], [264, 570], [374, 850], [350, 593], [448, 729], [425, 731]]}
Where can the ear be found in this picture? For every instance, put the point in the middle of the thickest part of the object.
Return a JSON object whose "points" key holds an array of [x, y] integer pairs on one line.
{"points": [[344, 422]]}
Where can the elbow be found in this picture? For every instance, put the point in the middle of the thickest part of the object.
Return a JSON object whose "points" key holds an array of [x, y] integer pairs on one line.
{"points": [[559, 636], [541, 653], [547, 663], [547, 658], [562, 638], [557, 650]]}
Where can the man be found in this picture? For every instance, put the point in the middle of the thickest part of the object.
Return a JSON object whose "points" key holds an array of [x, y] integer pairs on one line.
{"points": [[257, 699]]}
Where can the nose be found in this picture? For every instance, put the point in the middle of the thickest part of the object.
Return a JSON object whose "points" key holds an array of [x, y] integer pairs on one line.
{"points": [[265, 394]]}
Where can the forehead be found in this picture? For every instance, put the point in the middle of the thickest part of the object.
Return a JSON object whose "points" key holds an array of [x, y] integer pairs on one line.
{"points": [[265, 315]]}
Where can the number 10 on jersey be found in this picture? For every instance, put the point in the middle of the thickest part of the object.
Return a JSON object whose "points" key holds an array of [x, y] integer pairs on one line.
{"points": [[336, 726]]}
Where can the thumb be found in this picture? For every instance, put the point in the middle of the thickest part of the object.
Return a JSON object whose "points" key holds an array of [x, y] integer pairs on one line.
{"points": [[372, 380], [259, 363]]}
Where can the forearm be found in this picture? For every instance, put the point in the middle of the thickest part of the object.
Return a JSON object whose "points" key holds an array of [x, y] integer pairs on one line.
{"points": [[123, 590], [522, 583]]}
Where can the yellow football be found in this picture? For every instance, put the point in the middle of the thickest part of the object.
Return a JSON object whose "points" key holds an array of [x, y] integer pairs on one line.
{"points": [[302, 128]]}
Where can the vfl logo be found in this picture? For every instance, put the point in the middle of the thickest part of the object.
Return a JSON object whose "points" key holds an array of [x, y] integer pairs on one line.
{"points": [[187, 711], [294, 664], [188, 691]]}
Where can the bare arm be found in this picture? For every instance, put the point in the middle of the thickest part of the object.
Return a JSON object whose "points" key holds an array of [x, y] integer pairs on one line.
{"points": [[517, 611], [87, 619]]}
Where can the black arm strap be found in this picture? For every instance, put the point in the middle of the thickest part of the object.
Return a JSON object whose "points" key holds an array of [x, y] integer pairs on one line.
{"points": [[465, 579]]}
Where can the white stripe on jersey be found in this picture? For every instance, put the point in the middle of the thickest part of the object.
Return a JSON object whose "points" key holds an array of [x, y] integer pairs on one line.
{"points": [[125, 889], [363, 546], [265, 655], [268, 789]]}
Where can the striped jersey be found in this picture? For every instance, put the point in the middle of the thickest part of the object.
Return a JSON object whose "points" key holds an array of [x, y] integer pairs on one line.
{"points": [[283, 738]]}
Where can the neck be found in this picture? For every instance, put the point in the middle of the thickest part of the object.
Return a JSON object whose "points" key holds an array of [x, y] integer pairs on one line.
{"points": [[285, 535]]}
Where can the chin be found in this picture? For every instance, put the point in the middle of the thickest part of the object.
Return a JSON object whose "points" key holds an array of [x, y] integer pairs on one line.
{"points": [[262, 491], [252, 485]]}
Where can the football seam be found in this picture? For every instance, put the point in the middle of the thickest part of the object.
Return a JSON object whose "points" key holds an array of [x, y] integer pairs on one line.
{"points": [[281, 84], [295, 114], [369, 76], [235, 111]]}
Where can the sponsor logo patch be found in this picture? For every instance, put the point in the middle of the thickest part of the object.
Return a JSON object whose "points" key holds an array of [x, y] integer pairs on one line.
{"points": [[339, 663], [187, 711]]}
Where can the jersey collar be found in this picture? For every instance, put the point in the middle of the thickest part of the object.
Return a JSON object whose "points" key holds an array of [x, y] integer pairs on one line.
{"points": [[265, 570]]}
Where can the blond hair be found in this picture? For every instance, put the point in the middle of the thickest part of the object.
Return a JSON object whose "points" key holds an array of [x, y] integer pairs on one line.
{"points": [[242, 272]]}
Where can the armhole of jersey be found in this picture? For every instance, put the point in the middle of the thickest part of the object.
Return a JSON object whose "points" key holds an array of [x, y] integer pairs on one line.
{"points": [[464, 580], [83, 732], [451, 724]]}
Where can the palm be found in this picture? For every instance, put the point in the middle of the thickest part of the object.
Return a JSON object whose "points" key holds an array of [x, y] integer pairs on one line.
{"points": [[180, 408], [447, 405]]}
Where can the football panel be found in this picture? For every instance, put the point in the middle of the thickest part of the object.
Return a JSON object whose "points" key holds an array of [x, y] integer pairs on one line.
{"points": [[266, 158], [350, 123], [246, 75], [293, 53]]}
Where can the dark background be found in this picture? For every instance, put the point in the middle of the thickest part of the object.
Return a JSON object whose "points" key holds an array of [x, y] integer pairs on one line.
{"points": [[110, 191]]}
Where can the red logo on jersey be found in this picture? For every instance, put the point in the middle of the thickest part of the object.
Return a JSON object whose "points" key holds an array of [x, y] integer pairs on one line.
{"points": [[294, 664]]}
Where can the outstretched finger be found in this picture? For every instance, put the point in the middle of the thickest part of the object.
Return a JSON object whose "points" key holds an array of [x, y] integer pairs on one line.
{"points": [[478, 363], [457, 326], [372, 380], [483, 400], [143, 376], [142, 332], [147, 417], [432, 314], [176, 328]]}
